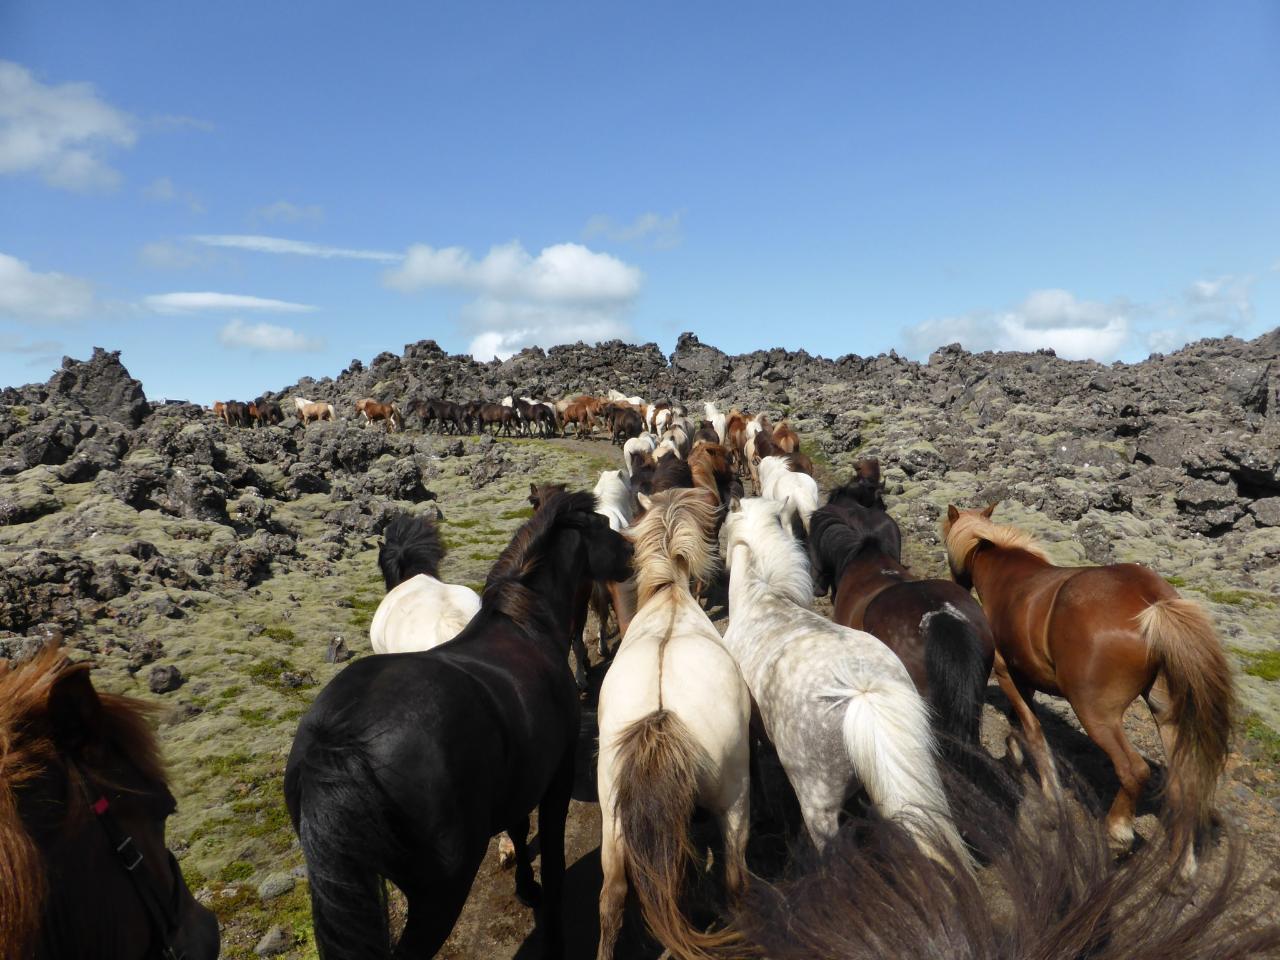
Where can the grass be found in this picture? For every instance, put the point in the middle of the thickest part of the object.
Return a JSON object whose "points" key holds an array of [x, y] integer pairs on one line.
{"points": [[1240, 598], [519, 513], [257, 717], [267, 673], [1264, 736], [1176, 581], [362, 609], [231, 692], [236, 871], [282, 634], [1265, 664], [227, 764]]}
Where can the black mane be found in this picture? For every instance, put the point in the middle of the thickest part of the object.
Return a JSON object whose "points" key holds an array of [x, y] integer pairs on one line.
{"points": [[410, 546]]}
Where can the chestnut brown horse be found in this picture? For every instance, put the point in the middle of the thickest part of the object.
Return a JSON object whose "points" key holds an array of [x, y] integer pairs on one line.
{"points": [[83, 867], [934, 626], [1101, 637], [388, 413]]}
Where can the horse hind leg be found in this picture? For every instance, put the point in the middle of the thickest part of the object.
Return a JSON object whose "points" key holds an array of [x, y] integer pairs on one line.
{"points": [[528, 891], [613, 889], [1020, 696], [1105, 728]]}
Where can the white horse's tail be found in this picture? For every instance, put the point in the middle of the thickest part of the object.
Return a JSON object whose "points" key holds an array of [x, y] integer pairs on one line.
{"points": [[887, 735]]}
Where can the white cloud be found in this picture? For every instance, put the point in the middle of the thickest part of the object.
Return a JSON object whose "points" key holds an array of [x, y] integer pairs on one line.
{"points": [[167, 255], [58, 132], [1226, 301], [503, 328], [286, 212], [261, 244], [563, 273], [41, 297], [164, 191], [267, 337], [1073, 329], [663, 232], [190, 302]]}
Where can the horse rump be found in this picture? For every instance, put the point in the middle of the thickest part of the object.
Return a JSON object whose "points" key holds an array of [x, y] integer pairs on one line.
{"points": [[659, 764], [340, 816]]}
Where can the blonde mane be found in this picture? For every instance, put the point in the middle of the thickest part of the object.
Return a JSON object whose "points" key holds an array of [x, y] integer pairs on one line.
{"points": [[673, 541], [971, 528]]}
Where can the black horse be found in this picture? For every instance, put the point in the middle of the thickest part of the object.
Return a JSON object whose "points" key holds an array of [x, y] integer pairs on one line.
{"points": [[935, 627], [408, 763]]}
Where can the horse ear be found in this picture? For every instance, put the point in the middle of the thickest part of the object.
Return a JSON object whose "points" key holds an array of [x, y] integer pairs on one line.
{"points": [[735, 504], [74, 708], [533, 489], [645, 502], [952, 513], [990, 508]]}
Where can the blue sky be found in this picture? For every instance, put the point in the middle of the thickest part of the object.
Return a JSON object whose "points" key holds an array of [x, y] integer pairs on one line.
{"points": [[237, 194]]}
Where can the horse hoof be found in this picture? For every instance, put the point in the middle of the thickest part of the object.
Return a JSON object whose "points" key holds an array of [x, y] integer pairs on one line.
{"points": [[530, 895], [506, 853]]}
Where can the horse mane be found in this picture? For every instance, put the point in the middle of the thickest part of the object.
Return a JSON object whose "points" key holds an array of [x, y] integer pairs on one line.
{"points": [[834, 542], [971, 529], [506, 589], [27, 750], [1050, 892], [671, 471], [776, 557], [673, 541], [410, 546]]}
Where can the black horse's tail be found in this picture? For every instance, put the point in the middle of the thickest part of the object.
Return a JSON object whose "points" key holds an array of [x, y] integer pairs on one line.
{"points": [[340, 815], [957, 670]]}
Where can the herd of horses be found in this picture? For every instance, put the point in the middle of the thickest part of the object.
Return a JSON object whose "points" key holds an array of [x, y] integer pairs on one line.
{"points": [[912, 841]]}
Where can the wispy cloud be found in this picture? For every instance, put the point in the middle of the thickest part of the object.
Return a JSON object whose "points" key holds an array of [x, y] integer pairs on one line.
{"points": [[31, 297], [178, 121], [163, 190], [260, 244], [192, 302], [168, 255], [267, 337], [565, 293], [59, 133], [661, 232], [283, 211]]}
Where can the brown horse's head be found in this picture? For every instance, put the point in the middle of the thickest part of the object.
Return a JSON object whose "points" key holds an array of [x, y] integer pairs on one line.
{"points": [[83, 803], [963, 531]]}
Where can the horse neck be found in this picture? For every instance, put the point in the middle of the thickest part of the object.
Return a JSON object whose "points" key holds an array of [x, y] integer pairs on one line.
{"points": [[871, 568], [992, 565]]}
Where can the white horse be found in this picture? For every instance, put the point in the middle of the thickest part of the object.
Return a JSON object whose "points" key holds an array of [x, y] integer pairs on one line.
{"points": [[617, 396], [617, 504], [420, 611], [674, 732], [797, 491], [837, 703], [614, 500], [645, 443], [717, 419]]}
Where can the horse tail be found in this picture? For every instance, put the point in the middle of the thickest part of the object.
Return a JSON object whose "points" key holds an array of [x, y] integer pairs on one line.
{"points": [[1201, 701], [658, 766], [957, 673], [887, 736], [339, 814]]}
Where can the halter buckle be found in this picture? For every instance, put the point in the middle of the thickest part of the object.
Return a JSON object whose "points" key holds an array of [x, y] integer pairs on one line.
{"points": [[129, 853]]}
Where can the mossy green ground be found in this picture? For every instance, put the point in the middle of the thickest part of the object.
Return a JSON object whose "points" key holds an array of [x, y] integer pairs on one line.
{"points": [[227, 730]]}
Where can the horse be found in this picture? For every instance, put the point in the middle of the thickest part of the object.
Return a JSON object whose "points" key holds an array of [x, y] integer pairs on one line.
{"points": [[934, 626], [717, 421], [735, 426], [617, 504], [785, 438], [709, 467], [581, 414], [219, 410], [705, 431], [235, 413], [675, 720], [867, 487], [83, 805], [798, 492], [266, 412], [309, 410], [406, 764], [627, 425], [372, 410], [539, 496], [1051, 892], [645, 443], [1101, 637], [497, 415], [836, 703], [670, 471], [419, 611]]}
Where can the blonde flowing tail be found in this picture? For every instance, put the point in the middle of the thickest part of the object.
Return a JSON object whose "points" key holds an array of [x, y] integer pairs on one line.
{"points": [[1201, 703]]}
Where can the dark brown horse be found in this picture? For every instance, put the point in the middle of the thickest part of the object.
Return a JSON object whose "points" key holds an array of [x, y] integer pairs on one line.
{"points": [[84, 871], [496, 415], [1102, 637], [934, 626]]}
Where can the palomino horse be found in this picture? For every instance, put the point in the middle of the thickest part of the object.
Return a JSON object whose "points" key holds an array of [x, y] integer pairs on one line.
{"points": [[934, 626], [419, 611], [83, 803], [407, 764], [797, 492], [837, 704], [675, 720], [309, 410], [388, 413], [1102, 637]]}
